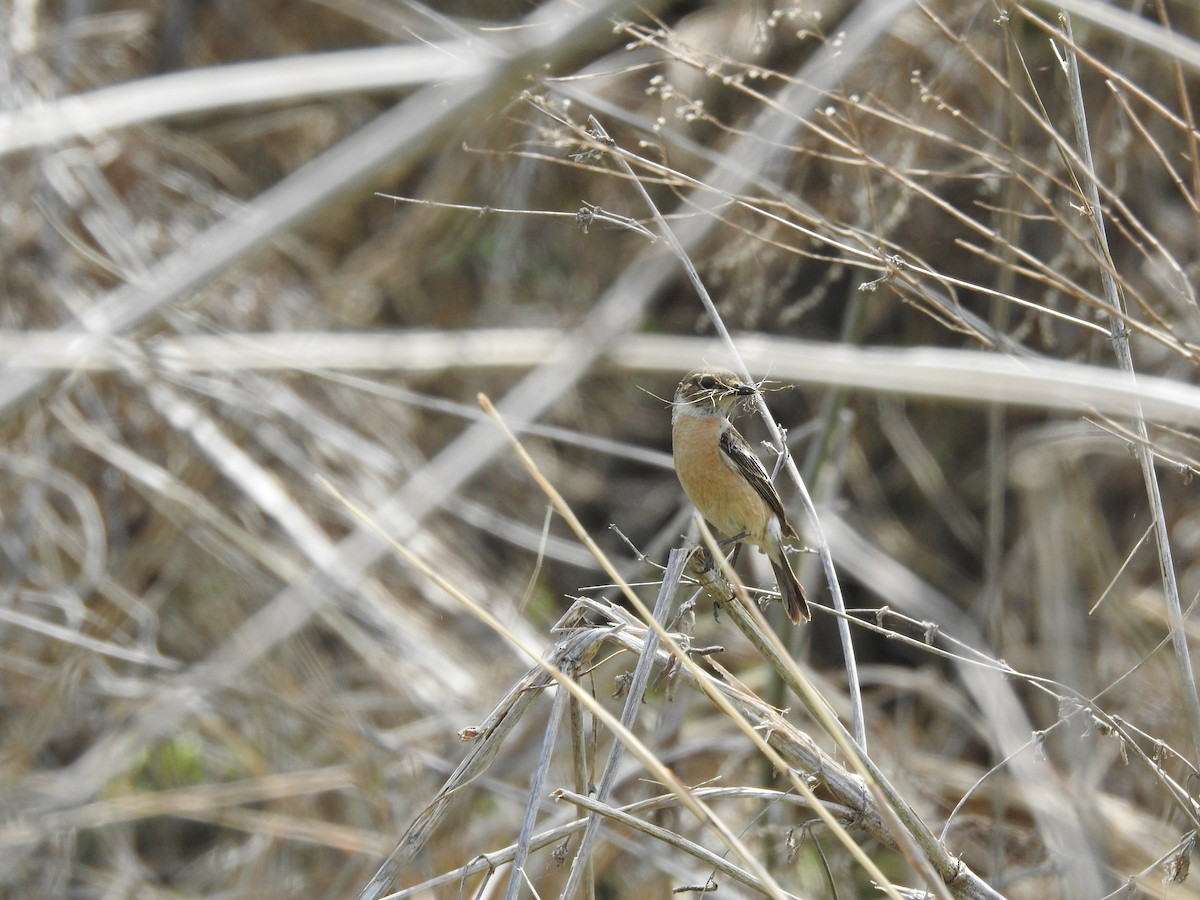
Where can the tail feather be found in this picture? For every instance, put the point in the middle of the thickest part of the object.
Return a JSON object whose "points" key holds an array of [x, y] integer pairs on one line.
{"points": [[794, 600]]}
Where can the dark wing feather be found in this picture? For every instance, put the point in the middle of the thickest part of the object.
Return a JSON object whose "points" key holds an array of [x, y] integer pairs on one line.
{"points": [[734, 446]]}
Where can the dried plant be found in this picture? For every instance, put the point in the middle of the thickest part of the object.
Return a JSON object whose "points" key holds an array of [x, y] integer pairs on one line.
{"points": [[263, 558]]}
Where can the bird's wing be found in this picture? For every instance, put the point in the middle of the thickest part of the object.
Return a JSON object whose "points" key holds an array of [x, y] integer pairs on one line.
{"points": [[746, 461]]}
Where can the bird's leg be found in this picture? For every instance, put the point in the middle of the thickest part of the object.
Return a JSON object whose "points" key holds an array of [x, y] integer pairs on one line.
{"points": [[737, 546]]}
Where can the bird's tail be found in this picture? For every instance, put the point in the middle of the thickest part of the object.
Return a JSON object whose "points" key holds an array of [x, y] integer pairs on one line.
{"points": [[794, 600]]}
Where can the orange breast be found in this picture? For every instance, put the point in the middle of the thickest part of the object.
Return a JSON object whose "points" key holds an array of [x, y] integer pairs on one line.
{"points": [[722, 495]]}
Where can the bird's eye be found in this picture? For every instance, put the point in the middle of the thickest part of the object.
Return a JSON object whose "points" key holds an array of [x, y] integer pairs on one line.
{"points": [[708, 382]]}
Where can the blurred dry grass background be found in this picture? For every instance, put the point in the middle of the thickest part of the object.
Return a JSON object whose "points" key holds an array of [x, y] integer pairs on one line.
{"points": [[216, 681]]}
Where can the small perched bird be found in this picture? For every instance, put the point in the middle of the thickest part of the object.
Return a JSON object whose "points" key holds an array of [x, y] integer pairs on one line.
{"points": [[724, 478]]}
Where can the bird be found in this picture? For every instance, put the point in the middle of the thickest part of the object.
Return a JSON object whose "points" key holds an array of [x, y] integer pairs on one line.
{"points": [[724, 478]]}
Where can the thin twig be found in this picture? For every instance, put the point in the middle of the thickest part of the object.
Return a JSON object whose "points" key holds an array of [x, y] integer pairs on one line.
{"points": [[1120, 342], [629, 713], [534, 800]]}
